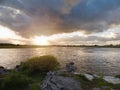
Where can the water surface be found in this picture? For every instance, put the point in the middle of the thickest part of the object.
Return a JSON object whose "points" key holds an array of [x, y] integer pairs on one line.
{"points": [[91, 60]]}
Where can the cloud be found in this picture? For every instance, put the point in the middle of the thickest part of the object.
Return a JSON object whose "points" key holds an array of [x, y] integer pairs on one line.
{"points": [[13, 17], [47, 17], [94, 15], [9, 36], [77, 38], [68, 5]]}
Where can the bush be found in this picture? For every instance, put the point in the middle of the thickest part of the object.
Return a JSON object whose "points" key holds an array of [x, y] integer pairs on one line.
{"points": [[40, 64], [15, 81]]}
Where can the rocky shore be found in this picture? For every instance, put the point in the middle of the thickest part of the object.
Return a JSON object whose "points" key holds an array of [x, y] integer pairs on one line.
{"points": [[62, 80]]}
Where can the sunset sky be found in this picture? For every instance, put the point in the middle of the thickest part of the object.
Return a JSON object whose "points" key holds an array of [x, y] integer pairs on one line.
{"points": [[48, 22]]}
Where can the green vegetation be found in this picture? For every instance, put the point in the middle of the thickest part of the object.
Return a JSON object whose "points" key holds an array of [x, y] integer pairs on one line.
{"points": [[40, 64], [15, 81], [85, 83], [97, 82], [30, 74], [19, 81]]}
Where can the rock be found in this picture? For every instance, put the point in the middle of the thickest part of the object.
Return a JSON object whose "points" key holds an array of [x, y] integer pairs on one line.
{"points": [[111, 79], [55, 82], [3, 71], [89, 77], [70, 68], [76, 73], [17, 68], [96, 76]]}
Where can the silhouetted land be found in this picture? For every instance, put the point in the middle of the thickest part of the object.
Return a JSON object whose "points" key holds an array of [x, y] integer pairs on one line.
{"points": [[9, 45]]}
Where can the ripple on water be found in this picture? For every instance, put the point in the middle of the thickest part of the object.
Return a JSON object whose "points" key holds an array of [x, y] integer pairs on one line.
{"points": [[92, 60]]}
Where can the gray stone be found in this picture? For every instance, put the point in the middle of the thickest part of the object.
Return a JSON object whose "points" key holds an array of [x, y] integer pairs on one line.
{"points": [[111, 79], [55, 82], [76, 73], [96, 76], [89, 77]]}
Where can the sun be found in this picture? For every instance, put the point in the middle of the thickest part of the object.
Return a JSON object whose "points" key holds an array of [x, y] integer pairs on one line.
{"points": [[40, 40]]}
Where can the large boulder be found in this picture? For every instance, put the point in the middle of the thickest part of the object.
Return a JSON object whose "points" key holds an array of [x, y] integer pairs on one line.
{"points": [[55, 82]]}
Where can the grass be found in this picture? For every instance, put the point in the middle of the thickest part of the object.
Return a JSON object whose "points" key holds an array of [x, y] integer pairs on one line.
{"points": [[40, 64], [85, 83], [20, 81], [15, 81], [30, 74]]}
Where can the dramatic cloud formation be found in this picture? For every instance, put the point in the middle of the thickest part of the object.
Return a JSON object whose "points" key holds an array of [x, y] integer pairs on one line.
{"points": [[9, 36], [93, 18]]}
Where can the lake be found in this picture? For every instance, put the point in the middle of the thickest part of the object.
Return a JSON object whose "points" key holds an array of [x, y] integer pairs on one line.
{"points": [[88, 60]]}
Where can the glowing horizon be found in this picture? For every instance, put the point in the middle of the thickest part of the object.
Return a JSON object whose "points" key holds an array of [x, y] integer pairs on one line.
{"points": [[8, 35], [40, 40]]}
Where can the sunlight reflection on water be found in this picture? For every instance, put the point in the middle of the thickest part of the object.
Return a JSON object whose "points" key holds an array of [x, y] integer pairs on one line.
{"points": [[91, 60]]}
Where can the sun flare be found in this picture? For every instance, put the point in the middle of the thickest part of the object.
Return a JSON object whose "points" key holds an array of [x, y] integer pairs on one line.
{"points": [[40, 40]]}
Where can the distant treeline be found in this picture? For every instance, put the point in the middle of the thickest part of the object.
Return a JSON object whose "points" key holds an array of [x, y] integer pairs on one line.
{"points": [[111, 45], [9, 45]]}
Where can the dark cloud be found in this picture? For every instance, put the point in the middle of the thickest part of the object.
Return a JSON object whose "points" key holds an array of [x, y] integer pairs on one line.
{"points": [[93, 15], [38, 17]]}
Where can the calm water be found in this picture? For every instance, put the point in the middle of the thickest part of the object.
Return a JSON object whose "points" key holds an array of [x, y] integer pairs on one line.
{"points": [[91, 60]]}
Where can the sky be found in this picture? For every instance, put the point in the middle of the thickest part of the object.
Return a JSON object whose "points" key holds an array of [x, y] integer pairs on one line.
{"points": [[61, 22]]}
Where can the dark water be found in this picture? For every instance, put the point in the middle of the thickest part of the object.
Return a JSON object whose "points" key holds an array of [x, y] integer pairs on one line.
{"points": [[91, 60]]}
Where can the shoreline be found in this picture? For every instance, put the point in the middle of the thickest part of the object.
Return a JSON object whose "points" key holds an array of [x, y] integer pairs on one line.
{"points": [[2, 45], [93, 81], [44, 73]]}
